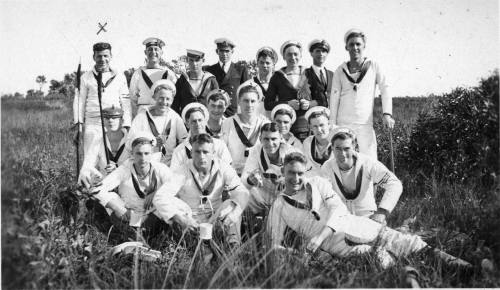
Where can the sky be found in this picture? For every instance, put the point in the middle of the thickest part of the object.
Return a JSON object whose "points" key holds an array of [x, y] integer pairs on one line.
{"points": [[423, 46]]}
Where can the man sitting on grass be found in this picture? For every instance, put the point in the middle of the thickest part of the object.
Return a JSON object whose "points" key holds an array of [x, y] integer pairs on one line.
{"points": [[311, 208], [353, 174]]}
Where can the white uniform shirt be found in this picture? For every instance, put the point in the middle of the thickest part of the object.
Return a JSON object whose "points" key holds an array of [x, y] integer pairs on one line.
{"points": [[96, 156], [177, 134], [295, 142], [374, 172], [170, 201], [313, 164], [122, 177], [233, 141], [140, 92], [180, 155], [348, 106], [86, 104]]}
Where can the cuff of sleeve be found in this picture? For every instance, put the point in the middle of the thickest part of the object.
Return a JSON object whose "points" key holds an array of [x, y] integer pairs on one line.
{"points": [[383, 211]]}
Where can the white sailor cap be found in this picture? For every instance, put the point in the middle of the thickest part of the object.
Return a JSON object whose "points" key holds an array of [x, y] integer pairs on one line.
{"points": [[250, 83], [192, 107], [220, 92], [224, 43], [289, 43], [284, 107], [319, 43], [141, 134], [195, 54], [270, 50], [351, 31], [317, 109], [153, 41], [164, 83]]}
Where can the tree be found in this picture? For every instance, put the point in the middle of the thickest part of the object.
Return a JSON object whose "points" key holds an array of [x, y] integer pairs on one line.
{"points": [[41, 80]]}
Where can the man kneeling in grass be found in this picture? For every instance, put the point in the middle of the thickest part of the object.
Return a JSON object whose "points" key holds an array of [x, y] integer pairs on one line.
{"points": [[311, 208]]}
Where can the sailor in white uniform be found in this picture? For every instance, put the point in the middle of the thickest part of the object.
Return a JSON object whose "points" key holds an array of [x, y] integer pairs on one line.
{"points": [[311, 208], [195, 116], [262, 171], [102, 160], [285, 116], [354, 92], [143, 78], [114, 92], [204, 181], [161, 121], [317, 148], [217, 102], [353, 174], [241, 131]]}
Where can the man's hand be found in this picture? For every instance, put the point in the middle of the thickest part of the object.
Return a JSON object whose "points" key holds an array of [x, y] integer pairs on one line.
{"points": [[314, 243], [186, 221], [379, 218], [110, 167], [88, 175], [230, 213], [148, 201], [295, 104], [389, 121], [255, 179]]}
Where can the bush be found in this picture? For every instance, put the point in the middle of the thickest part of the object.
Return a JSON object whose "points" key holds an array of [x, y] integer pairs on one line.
{"points": [[458, 139]]}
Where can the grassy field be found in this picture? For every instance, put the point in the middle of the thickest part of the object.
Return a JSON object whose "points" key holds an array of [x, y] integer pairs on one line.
{"points": [[43, 247]]}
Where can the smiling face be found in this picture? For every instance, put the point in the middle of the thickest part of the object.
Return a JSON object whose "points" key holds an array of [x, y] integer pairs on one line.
{"points": [[265, 64], [344, 151], [153, 53], [216, 109], [196, 123], [294, 174], [319, 56], [248, 103], [292, 56], [355, 46], [284, 123], [142, 155], [203, 155], [102, 59], [224, 54], [270, 141], [163, 100], [319, 127]]}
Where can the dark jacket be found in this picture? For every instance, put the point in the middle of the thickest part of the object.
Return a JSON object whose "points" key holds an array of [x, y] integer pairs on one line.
{"points": [[236, 75], [319, 91], [186, 95]]}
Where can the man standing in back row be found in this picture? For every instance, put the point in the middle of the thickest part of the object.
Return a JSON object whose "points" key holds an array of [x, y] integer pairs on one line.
{"points": [[144, 77], [229, 75]]}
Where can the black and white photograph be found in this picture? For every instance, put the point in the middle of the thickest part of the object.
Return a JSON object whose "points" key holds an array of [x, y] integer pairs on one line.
{"points": [[231, 144]]}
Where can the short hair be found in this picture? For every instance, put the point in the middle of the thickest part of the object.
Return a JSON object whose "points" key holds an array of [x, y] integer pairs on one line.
{"points": [[100, 46], [295, 157], [317, 114], [345, 136], [266, 53], [283, 112], [192, 110], [269, 127], [355, 34], [141, 141], [219, 95], [248, 89], [201, 139], [164, 87]]}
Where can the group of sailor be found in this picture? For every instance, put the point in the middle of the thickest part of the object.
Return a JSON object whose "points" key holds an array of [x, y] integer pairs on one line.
{"points": [[214, 144]]}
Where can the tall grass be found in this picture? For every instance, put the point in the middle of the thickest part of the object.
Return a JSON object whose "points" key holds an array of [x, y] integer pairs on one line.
{"points": [[44, 247]]}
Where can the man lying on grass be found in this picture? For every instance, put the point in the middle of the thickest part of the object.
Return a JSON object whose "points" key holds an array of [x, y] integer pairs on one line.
{"points": [[353, 174], [311, 208]]}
